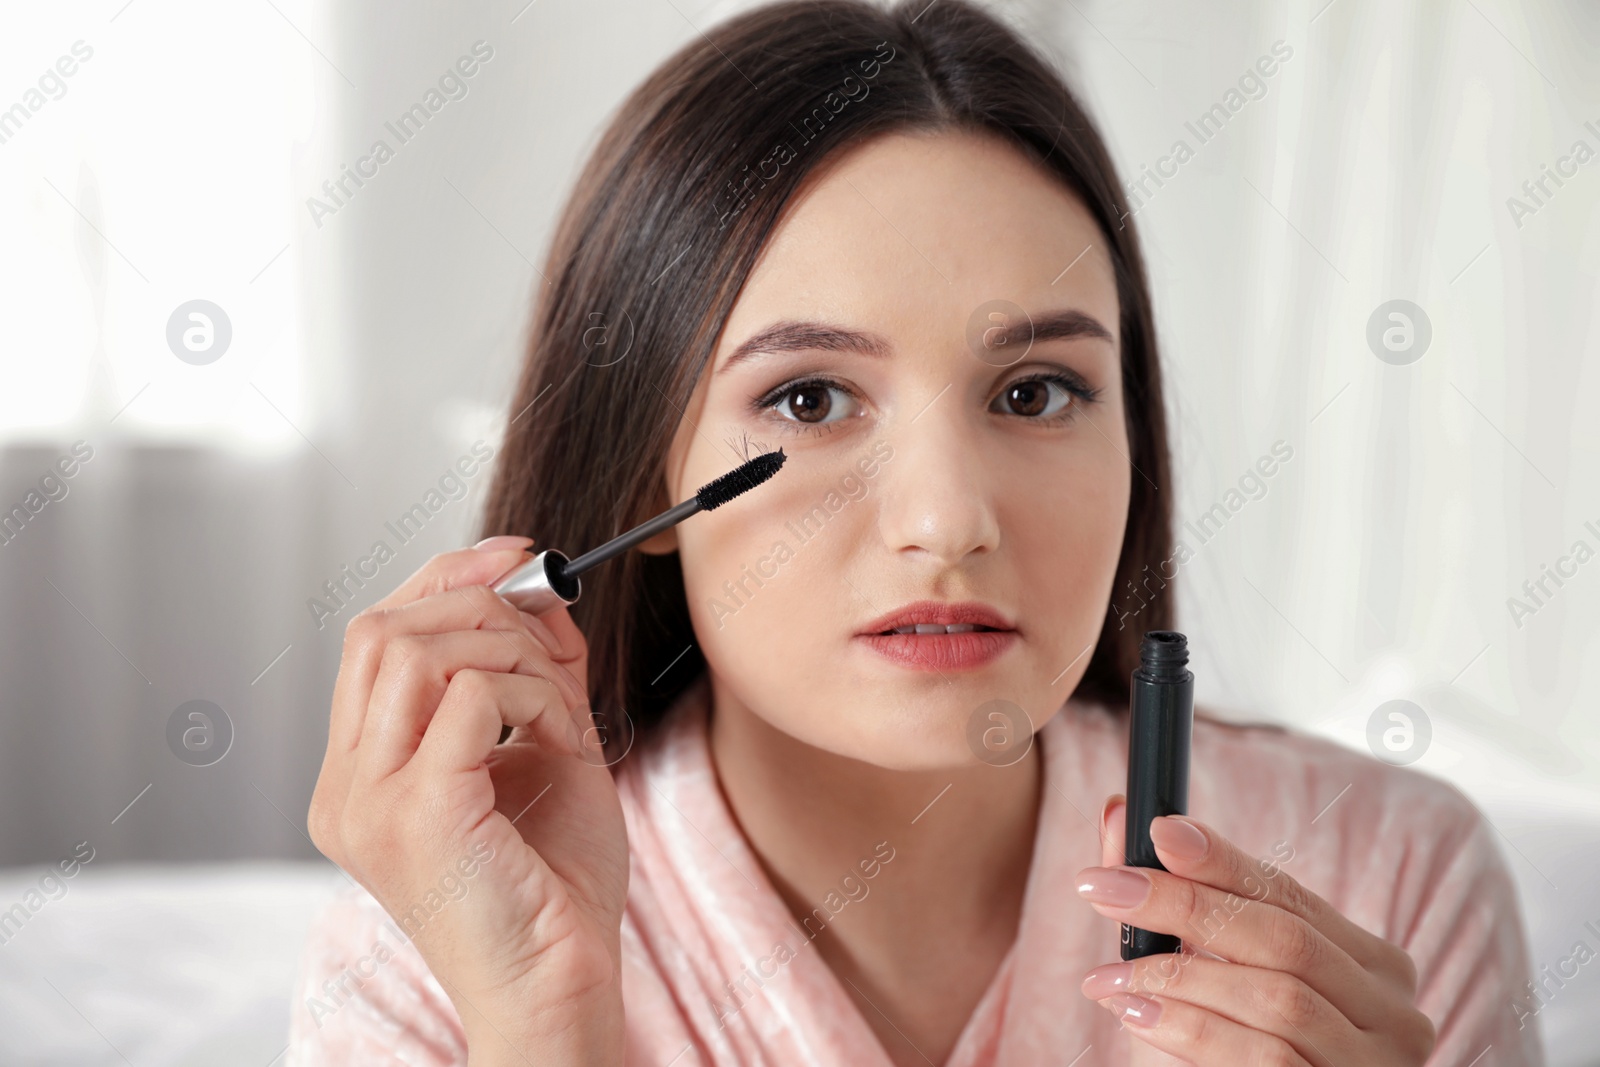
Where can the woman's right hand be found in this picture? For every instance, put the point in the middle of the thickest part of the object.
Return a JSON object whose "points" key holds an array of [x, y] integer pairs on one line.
{"points": [[415, 792]]}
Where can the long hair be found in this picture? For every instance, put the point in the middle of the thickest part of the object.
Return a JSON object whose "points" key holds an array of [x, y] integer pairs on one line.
{"points": [[659, 235]]}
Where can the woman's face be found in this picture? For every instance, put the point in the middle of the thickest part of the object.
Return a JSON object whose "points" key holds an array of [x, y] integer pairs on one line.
{"points": [[934, 454]]}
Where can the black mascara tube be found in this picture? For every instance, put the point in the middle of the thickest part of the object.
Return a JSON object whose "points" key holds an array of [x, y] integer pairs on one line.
{"points": [[1161, 716]]}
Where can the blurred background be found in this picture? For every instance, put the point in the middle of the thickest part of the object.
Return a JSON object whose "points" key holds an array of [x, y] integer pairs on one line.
{"points": [[223, 379]]}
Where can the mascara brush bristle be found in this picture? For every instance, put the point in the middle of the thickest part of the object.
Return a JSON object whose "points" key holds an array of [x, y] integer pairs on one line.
{"points": [[739, 481]]}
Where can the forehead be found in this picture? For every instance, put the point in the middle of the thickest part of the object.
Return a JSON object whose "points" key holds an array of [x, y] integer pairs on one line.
{"points": [[913, 232]]}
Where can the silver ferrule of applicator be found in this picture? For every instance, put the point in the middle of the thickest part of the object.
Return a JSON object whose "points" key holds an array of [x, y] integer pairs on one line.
{"points": [[550, 579], [540, 584]]}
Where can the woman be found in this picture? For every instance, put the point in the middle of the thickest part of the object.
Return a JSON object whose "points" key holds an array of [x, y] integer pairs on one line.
{"points": [[892, 244]]}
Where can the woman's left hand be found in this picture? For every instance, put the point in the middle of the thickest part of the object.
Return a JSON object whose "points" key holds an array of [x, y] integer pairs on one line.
{"points": [[1296, 982]]}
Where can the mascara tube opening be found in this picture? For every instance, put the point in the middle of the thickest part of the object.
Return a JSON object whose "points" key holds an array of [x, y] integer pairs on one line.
{"points": [[555, 569], [1163, 654]]}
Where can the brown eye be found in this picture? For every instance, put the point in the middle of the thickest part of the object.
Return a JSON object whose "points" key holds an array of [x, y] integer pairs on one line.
{"points": [[1027, 398], [809, 403], [1031, 399]]}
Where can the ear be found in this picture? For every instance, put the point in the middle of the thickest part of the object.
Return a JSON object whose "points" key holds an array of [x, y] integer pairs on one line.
{"points": [[667, 540]]}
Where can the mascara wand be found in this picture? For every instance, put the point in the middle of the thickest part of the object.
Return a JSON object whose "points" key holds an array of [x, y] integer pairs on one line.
{"points": [[550, 579]]}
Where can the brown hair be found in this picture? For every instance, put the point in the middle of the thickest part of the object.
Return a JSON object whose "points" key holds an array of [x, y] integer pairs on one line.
{"points": [[664, 226]]}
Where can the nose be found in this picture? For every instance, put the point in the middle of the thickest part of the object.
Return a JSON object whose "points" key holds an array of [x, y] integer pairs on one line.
{"points": [[938, 498]]}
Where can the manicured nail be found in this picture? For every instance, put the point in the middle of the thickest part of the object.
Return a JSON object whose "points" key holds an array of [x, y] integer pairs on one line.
{"points": [[572, 679], [540, 630], [500, 541], [1108, 885], [1135, 1009], [1101, 982], [1182, 839], [1112, 803]]}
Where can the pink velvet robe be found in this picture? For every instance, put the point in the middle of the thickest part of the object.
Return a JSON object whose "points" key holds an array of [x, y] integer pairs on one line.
{"points": [[719, 973]]}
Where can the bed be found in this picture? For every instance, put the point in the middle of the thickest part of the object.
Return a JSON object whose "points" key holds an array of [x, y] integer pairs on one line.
{"points": [[192, 964]]}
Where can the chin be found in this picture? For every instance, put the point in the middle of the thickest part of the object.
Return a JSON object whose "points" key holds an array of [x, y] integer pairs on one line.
{"points": [[932, 738]]}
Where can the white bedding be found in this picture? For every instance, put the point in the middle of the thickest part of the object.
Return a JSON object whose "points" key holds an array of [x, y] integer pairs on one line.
{"points": [[157, 965], [192, 965]]}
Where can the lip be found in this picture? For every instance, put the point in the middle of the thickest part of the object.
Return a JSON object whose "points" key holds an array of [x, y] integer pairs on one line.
{"points": [[939, 613], [941, 652]]}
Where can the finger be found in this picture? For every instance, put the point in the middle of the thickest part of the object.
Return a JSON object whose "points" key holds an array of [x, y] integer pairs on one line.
{"points": [[1235, 928], [476, 704], [1258, 999], [1201, 1037], [558, 621], [414, 674], [365, 638], [1191, 849], [532, 623], [1113, 830], [573, 652], [463, 608], [490, 544], [465, 566]]}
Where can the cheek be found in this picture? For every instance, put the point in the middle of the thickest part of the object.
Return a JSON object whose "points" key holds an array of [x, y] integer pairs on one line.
{"points": [[1067, 531], [756, 572]]}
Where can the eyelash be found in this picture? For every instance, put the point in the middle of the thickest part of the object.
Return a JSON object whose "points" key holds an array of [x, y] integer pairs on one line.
{"points": [[1073, 385]]}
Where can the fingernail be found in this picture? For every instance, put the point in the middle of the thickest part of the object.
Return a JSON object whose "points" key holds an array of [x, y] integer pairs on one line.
{"points": [[494, 544], [546, 636], [1111, 804], [1135, 1009], [577, 686], [1101, 982], [578, 740], [1108, 885], [1182, 839]]}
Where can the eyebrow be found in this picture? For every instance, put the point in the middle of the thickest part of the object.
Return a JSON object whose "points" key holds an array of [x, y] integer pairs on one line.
{"points": [[798, 336]]}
